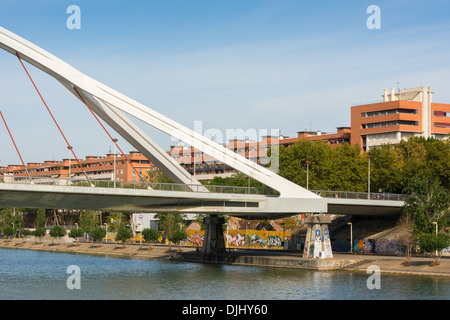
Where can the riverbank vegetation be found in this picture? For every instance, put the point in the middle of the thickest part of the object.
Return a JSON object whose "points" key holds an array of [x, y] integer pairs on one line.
{"points": [[417, 167]]}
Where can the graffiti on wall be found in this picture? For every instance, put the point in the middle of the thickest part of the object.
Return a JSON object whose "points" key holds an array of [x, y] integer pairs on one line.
{"points": [[236, 240], [195, 238], [388, 246], [364, 245], [244, 238], [274, 241], [381, 246]]}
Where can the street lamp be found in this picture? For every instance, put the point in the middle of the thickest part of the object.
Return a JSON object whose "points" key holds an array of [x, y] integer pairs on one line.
{"points": [[368, 177], [114, 167], [351, 236], [436, 224], [140, 235], [307, 174]]}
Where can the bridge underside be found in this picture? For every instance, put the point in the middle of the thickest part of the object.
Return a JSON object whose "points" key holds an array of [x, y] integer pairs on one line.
{"points": [[133, 200]]}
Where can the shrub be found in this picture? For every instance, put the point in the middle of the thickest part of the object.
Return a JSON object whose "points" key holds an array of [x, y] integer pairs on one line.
{"points": [[98, 234], [40, 232], [76, 233], [57, 232], [8, 231], [433, 244], [150, 235], [123, 235]]}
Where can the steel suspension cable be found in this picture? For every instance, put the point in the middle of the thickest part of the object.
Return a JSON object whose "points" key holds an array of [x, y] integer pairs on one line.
{"points": [[17, 149], [112, 139], [48, 109]]}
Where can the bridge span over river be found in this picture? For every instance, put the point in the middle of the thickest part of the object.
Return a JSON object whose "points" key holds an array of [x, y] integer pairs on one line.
{"points": [[243, 202], [187, 194]]}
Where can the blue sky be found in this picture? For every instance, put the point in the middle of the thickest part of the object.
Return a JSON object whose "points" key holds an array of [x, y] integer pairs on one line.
{"points": [[289, 65]]}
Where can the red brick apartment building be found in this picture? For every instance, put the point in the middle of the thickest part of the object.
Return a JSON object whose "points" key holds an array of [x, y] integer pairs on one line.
{"points": [[407, 113], [194, 161], [206, 167], [96, 167]]}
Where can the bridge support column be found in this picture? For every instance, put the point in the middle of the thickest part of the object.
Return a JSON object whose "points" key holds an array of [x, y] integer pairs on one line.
{"points": [[317, 242], [214, 241]]}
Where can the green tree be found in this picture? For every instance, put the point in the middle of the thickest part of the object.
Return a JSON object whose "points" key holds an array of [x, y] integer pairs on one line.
{"points": [[5, 218], [117, 220], [24, 233], [157, 176], [123, 235], [177, 235], [414, 157], [17, 220], [57, 232], [293, 163], [348, 169], [41, 220], [40, 232], [386, 169], [8, 232], [150, 235], [438, 160], [342, 167], [76, 233], [98, 233], [169, 222], [434, 244], [427, 202], [88, 221]]}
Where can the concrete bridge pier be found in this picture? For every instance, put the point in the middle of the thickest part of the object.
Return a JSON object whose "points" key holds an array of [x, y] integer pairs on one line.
{"points": [[317, 242], [214, 242]]}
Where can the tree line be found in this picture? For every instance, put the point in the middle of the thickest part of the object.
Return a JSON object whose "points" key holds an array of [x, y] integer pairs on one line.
{"points": [[89, 224], [345, 167], [416, 167]]}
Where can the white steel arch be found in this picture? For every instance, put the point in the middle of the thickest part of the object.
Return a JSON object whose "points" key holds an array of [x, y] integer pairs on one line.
{"points": [[109, 105]]}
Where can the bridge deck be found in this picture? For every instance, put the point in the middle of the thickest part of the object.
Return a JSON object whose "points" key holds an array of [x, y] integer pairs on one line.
{"points": [[242, 204]]}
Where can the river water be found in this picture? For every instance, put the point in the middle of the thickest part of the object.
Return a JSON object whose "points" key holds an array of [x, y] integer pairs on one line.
{"points": [[27, 274]]}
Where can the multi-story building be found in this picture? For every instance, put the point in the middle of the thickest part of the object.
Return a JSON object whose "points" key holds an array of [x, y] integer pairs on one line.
{"points": [[407, 113], [110, 167], [206, 167], [200, 165], [333, 139]]}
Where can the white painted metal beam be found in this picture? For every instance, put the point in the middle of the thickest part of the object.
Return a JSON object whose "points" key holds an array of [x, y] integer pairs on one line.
{"points": [[102, 94]]}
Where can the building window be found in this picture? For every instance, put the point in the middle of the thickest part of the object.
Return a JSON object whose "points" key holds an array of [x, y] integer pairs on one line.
{"points": [[441, 114], [389, 123], [386, 112], [441, 125]]}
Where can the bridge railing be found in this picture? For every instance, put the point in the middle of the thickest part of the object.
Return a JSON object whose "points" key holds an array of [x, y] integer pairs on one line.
{"points": [[360, 195], [139, 185], [193, 187]]}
